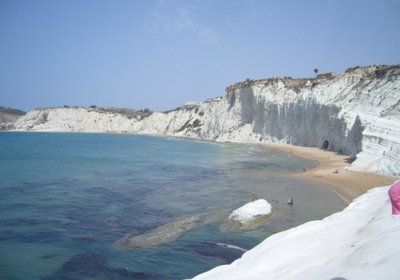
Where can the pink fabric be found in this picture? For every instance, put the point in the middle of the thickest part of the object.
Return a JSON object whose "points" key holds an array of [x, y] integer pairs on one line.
{"points": [[394, 193]]}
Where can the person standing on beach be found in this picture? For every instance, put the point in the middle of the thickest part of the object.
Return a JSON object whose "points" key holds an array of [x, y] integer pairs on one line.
{"points": [[394, 194]]}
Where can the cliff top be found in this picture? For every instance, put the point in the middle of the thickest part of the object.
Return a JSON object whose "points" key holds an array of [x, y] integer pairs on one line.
{"points": [[9, 115], [129, 113], [11, 111], [296, 84], [375, 71]]}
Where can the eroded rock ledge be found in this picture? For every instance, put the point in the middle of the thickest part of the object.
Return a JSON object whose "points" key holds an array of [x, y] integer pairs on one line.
{"points": [[172, 230], [246, 217]]}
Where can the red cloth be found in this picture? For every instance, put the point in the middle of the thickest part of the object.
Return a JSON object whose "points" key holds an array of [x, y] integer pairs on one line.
{"points": [[394, 193]]}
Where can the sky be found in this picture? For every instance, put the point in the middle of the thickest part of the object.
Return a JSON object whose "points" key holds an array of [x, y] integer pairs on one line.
{"points": [[161, 54]]}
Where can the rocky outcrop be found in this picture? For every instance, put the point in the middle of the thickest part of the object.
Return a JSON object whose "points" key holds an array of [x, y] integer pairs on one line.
{"points": [[356, 113], [251, 212], [172, 230]]}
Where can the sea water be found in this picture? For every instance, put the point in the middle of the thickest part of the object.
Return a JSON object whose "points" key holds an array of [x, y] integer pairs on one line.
{"points": [[65, 198]]}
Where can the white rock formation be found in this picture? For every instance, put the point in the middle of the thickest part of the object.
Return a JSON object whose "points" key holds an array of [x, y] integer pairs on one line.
{"points": [[74, 120], [251, 212], [361, 242], [357, 113]]}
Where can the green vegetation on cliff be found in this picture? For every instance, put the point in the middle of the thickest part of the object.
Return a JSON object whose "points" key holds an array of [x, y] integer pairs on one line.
{"points": [[12, 111]]}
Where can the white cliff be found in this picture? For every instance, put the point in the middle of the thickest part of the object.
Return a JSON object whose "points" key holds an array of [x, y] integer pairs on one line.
{"points": [[74, 120], [357, 113]]}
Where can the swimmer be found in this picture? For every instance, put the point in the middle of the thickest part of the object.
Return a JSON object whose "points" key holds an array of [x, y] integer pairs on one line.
{"points": [[254, 197]]}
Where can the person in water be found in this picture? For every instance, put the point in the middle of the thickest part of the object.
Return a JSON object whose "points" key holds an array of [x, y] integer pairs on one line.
{"points": [[254, 197], [394, 194], [290, 201]]}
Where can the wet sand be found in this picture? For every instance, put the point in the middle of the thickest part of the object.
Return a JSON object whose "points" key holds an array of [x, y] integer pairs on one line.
{"points": [[348, 184]]}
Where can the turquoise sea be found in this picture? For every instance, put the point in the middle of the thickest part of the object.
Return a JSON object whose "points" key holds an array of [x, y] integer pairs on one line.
{"points": [[65, 198]]}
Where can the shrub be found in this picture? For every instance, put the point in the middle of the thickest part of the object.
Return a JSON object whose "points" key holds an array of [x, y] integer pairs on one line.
{"points": [[186, 125], [196, 123]]}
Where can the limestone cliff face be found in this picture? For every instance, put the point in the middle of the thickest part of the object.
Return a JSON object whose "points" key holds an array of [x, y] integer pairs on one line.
{"points": [[73, 120], [357, 113]]}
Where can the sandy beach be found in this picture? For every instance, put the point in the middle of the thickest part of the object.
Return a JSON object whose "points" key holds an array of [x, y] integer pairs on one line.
{"points": [[348, 184]]}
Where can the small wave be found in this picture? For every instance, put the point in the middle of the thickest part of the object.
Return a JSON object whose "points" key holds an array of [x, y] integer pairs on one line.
{"points": [[218, 144], [253, 148], [174, 138], [231, 247], [247, 158]]}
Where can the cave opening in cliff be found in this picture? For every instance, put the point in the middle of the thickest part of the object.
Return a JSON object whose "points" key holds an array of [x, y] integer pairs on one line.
{"points": [[326, 144]]}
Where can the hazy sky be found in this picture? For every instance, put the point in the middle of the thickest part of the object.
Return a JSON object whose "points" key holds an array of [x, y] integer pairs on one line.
{"points": [[163, 53]]}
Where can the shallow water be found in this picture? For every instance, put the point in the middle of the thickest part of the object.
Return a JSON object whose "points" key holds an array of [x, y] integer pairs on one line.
{"points": [[66, 198]]}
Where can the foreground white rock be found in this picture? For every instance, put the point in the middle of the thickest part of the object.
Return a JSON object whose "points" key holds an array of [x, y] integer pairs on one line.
{"points": [[361, 242], [251, 212]]}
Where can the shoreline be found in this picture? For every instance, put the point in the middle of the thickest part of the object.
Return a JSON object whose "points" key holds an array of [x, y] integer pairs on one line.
{"points": [[348, 184]]}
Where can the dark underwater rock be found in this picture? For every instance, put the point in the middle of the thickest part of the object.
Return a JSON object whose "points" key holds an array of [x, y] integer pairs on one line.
{"points": [[94, 265], [89, 264]]}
